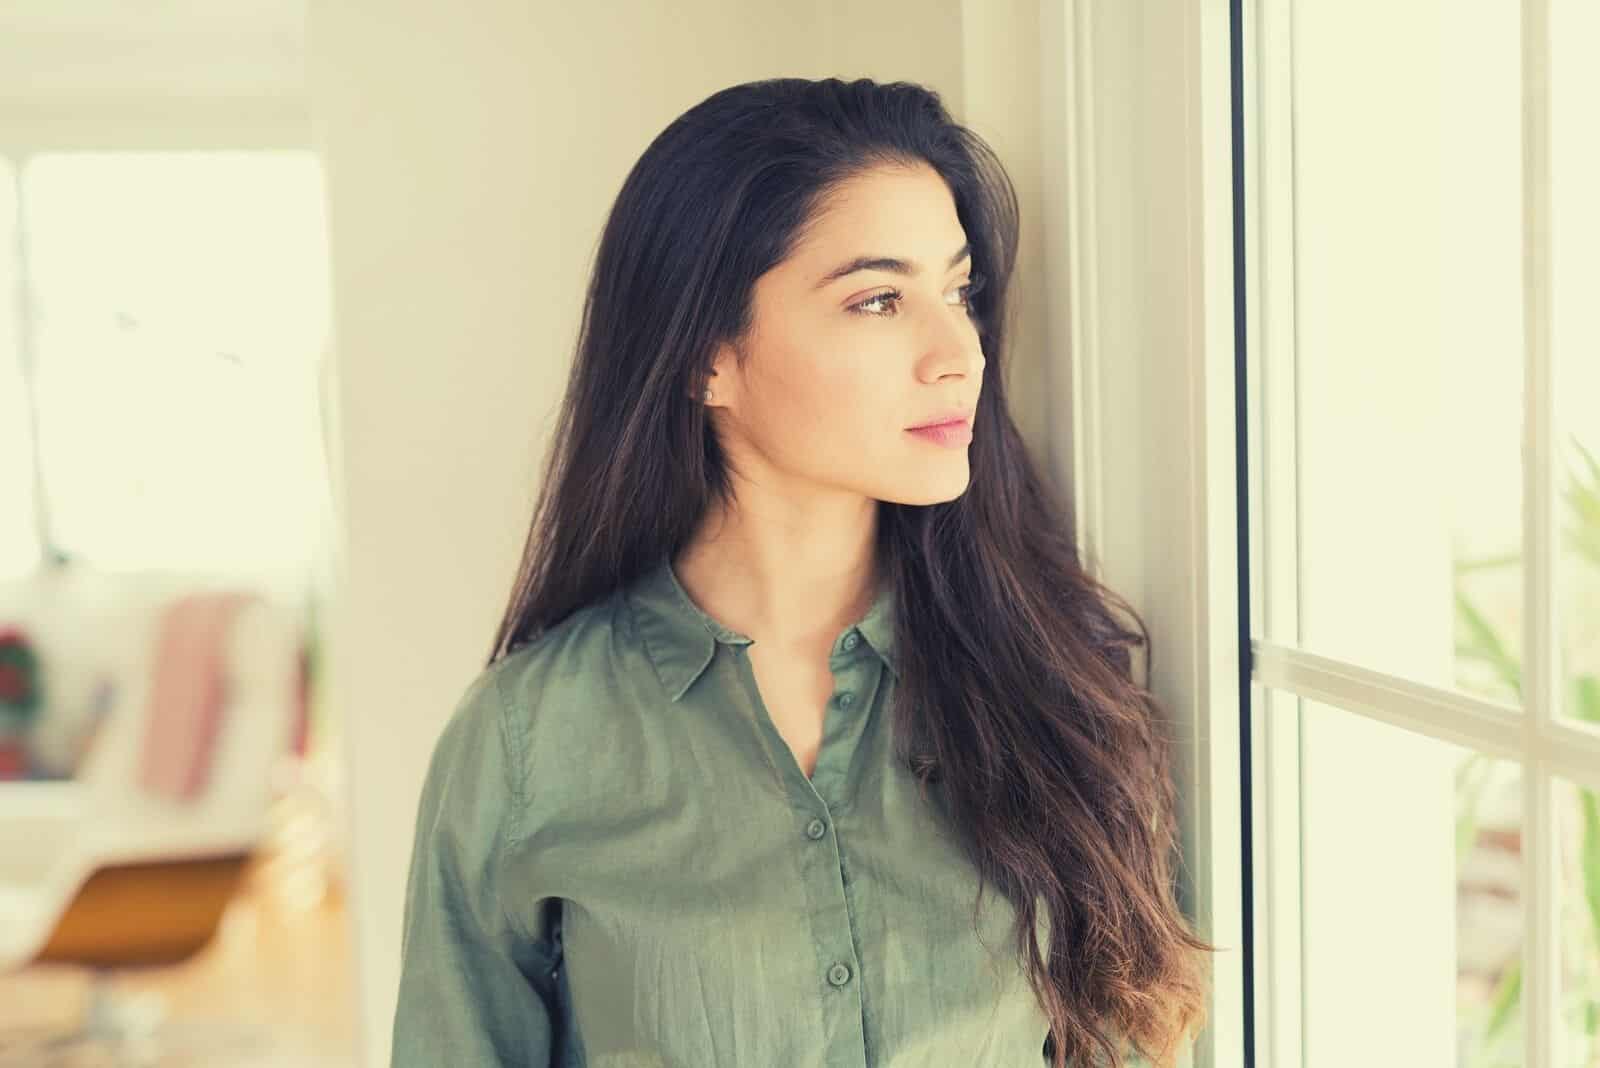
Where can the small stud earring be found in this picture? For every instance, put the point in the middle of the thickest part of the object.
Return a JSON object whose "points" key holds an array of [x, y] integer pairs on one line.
{"points": [[708, 396]]}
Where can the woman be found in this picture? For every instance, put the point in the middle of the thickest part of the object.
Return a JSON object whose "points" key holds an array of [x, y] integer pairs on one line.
{"points": [[787, 687]]}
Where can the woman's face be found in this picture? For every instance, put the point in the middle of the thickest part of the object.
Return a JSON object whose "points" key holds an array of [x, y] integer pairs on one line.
{"points": [[841, 364]]}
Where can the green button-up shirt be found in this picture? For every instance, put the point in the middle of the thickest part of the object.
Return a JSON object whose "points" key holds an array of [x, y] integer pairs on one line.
{"points": [[619, 863]]}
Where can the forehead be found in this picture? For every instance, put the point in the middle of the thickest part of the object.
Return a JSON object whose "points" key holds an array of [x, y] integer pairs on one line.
{"points": [[891, 211]]}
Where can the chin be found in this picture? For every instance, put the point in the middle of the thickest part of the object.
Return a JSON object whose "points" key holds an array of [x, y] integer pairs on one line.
{"points": [[928, 489]]}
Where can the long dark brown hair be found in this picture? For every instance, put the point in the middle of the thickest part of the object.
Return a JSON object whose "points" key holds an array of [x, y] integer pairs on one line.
{"points": [[1016, 692]]}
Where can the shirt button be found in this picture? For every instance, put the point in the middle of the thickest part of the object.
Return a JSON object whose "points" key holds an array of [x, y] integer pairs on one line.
{"points": [[838, 975], [851, 640], [845, 700], [816, 829]]}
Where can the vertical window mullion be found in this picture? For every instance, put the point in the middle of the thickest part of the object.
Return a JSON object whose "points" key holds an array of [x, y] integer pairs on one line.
{"points": [[1088, 471], [1541, 975], [1274, 537], [26, 337]]}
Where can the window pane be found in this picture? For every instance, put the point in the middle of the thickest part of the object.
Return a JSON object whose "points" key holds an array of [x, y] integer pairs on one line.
{"points": [[1411, 902], [1409, 337], [1578, 839], [1575, 213], [181, 320], [19, 541]]}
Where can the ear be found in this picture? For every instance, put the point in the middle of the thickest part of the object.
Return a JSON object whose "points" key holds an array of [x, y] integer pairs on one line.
{"points": [[723, 377]]}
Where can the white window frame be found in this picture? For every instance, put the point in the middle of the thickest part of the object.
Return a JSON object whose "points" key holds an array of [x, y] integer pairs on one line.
{"points": [[1136, 140], [1137, 136]]}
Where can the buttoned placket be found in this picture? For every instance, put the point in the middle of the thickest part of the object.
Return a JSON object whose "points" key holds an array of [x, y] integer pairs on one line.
{"points": [[857, 676], [860, 672]]}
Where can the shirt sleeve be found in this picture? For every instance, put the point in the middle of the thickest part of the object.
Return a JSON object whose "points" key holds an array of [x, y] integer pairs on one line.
{"points": [[474, 988]]}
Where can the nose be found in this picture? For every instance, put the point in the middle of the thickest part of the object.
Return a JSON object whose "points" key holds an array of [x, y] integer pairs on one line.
{"points": [[953, 348]]}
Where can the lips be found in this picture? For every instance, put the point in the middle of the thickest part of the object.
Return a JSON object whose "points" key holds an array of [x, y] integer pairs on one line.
{"points": [[949, 417], [947, 434]]}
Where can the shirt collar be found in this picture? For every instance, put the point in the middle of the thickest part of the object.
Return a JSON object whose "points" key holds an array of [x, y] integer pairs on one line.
{"points": [[680, 638]]}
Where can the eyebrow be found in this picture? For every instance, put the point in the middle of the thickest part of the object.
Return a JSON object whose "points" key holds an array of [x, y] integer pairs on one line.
{"points": [[886, 263]]}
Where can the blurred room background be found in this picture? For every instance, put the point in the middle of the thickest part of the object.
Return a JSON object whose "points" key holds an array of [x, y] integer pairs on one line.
{"points": [[287, 298], [172, 877]]}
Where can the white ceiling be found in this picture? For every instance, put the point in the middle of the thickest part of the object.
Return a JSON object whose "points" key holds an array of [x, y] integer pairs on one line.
{"points": [[52, 50]]}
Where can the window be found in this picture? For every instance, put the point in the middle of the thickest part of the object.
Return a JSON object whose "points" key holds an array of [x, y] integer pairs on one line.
{"points": [[175, 322], [1335, 407], [1424, 508]]}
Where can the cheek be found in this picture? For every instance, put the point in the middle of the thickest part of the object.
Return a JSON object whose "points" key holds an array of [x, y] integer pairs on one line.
{"points": [[819, 413], [817, 379]]}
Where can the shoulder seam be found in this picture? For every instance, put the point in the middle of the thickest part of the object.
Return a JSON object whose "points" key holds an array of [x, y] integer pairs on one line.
{"points": [[511, 831], [516, 766]]}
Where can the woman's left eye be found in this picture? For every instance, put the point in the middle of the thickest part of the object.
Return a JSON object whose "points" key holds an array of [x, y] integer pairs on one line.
{"points": [[895, 296], [869, 306]]}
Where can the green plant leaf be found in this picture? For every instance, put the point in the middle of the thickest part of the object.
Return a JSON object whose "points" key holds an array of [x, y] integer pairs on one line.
{"points": [[1485, 645], [1507, 993], [1477, 640], [1586, 698], [1589, 459], [1584, 501], [1487, 563]]}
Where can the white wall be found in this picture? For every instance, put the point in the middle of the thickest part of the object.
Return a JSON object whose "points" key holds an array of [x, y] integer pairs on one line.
{"points": [[471, 159]]}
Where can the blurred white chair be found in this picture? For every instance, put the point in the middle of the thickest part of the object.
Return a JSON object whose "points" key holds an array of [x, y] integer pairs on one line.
{"points": [[101, 870]]}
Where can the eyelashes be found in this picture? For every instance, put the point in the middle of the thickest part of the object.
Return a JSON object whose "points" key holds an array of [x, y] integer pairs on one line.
{"points": [[894, 296]]}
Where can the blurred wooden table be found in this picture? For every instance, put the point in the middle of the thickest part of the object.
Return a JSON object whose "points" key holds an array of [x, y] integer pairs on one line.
{"points": [[279, 969]]}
